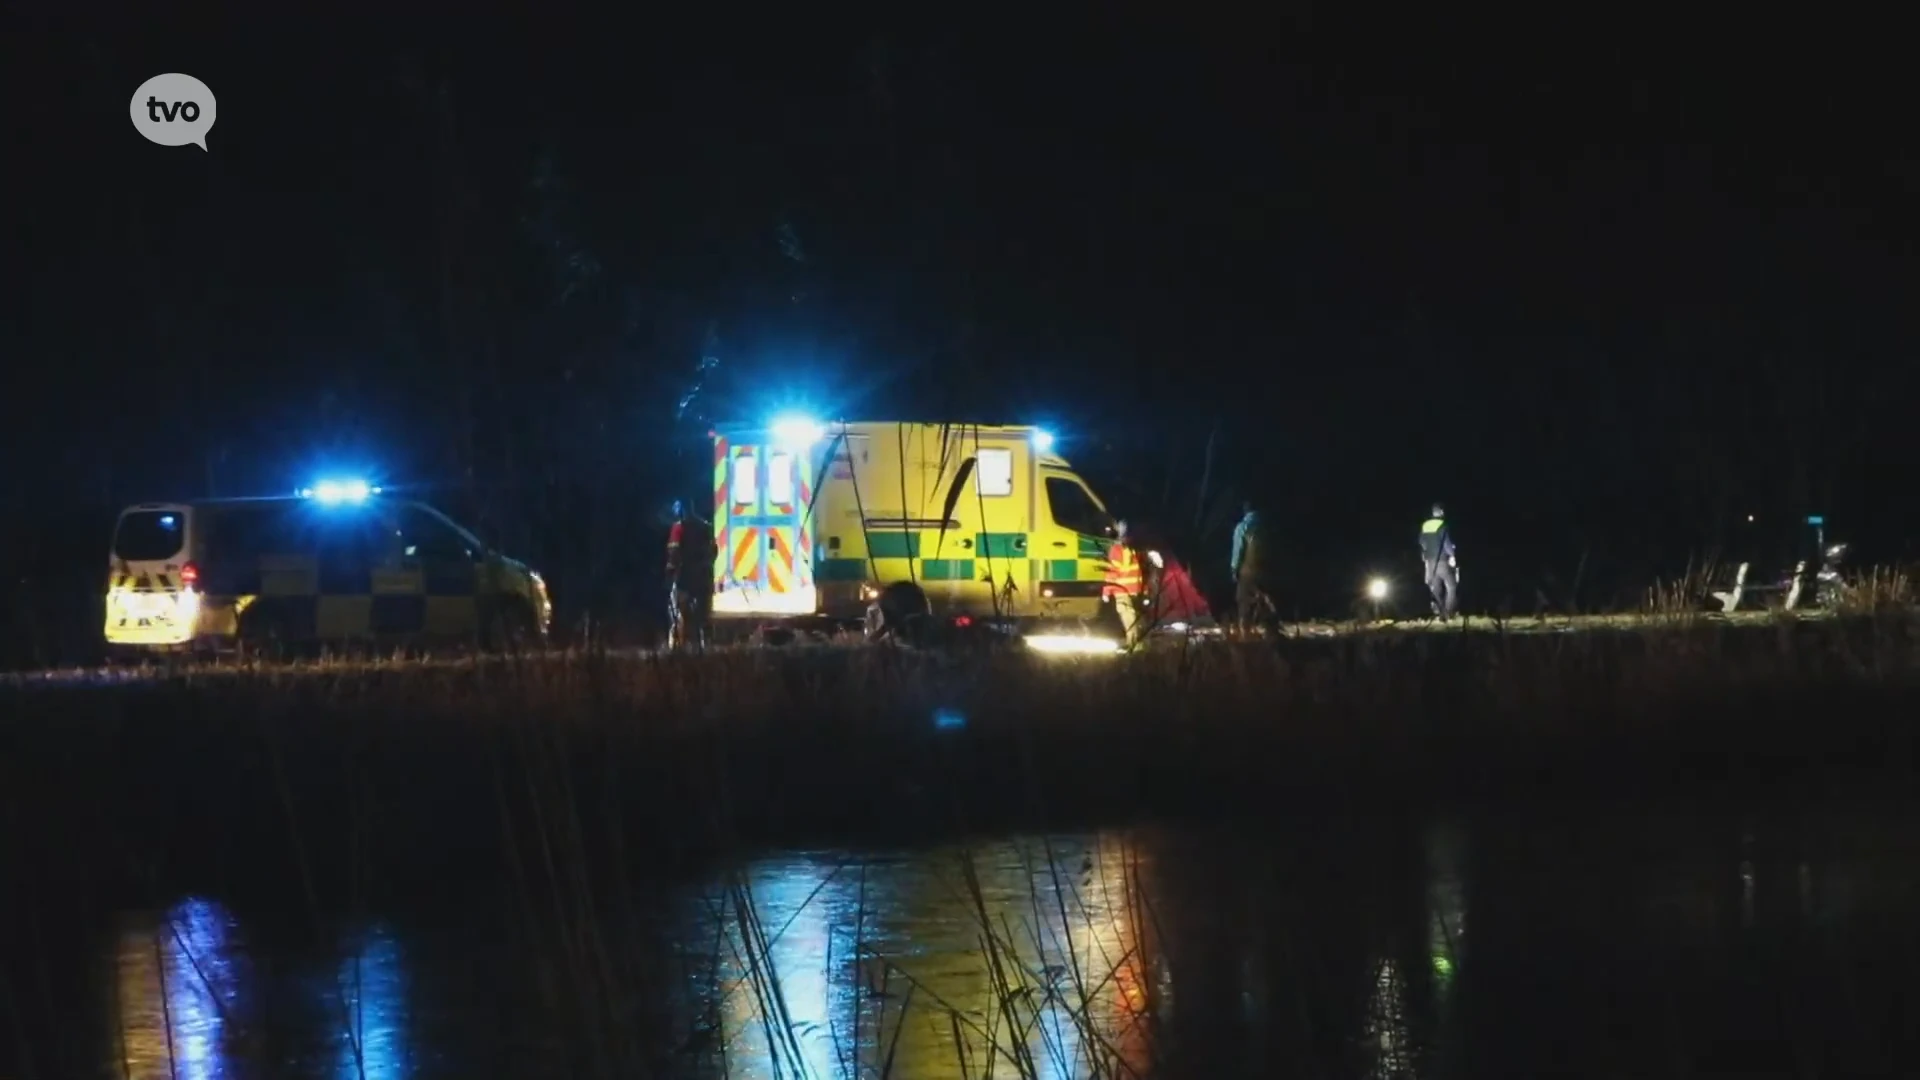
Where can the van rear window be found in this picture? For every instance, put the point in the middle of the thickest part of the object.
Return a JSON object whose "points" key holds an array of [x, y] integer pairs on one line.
{"points": [[149, 535]]}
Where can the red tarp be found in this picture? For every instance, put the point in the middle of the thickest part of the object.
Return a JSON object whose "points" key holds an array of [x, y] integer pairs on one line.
{"points": [[1177, 600]]}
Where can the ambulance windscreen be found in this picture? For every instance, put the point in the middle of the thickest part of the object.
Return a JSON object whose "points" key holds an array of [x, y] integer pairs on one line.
{"points": [[149, 535]]}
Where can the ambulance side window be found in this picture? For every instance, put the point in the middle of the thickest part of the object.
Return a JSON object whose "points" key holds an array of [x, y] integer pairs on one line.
{"points": [[995, 471], [1074, 509], [746, 479]]}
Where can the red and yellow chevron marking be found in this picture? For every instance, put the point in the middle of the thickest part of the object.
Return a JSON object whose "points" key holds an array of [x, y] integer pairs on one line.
{"points": [[804, 562], [779, 560], [720, 508], [746, 553]]}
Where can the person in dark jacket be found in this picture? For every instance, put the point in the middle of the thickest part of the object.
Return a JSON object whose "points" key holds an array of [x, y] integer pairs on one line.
{"points": [[1248, 564], [689, 577], [1442, 570]]}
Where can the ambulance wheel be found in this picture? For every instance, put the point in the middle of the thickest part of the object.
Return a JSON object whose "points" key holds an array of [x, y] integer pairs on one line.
{"points": [[902, 614]]}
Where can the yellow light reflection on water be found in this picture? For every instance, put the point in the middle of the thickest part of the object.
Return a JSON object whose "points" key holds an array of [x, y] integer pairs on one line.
{"points": [[1097, 1012], [778, 987], [1010, 960], [178, 982]]}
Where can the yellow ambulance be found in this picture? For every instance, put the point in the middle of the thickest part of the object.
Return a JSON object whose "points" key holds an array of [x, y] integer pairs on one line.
{"points": [[813, 519]]}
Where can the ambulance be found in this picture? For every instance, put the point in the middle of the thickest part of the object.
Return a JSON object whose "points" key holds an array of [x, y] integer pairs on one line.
{"points": [[813, 520], [338, 562]]}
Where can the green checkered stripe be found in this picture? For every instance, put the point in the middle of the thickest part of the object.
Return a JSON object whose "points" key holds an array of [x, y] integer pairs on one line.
{"points": [[896, 555]]}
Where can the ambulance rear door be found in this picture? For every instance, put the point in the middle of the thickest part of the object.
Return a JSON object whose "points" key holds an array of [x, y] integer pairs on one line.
{"points": [[763, 556]]}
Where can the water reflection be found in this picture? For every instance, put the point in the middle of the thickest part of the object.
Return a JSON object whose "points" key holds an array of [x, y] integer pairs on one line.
{"points": [[372, 995], [1018, 959], [1379, 949], [178, 983], [191, 1005]]}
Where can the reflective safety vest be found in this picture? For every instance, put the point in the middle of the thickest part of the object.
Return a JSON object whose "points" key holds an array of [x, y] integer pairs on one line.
{"points": [[1434, 540], [1123, 572]]}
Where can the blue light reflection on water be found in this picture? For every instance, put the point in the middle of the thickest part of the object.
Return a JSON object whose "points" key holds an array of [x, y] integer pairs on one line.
{"points": [[185, 1001], [373, 998], [179, 982]]}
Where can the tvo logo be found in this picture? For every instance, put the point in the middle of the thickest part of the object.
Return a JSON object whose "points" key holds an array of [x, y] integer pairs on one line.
{"points": [[173, 110]]}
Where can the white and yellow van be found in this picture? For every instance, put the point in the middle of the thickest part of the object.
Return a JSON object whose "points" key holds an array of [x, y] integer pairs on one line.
{"points": [[343, 565], [814, 519]]}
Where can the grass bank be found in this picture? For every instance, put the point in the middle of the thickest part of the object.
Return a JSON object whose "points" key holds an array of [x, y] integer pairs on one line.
{"points": [[425, 767]]}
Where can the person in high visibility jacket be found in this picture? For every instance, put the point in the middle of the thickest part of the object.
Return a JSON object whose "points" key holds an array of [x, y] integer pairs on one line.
{"points": [[1442, 569], [1124, 581]]}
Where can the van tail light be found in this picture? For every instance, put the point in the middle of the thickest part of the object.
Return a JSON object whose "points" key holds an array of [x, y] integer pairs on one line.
{"points": [[190, 576], [963, 621]]}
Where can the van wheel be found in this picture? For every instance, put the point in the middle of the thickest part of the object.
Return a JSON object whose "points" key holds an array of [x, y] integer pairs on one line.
{"points": [[260, 641], [510, 630]]}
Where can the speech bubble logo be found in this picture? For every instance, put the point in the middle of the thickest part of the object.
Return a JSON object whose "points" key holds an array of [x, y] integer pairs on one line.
{"points": [[173, 110]]}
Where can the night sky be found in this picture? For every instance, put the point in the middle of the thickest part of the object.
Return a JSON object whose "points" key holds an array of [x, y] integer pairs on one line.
{"points": [[1603, 304]]}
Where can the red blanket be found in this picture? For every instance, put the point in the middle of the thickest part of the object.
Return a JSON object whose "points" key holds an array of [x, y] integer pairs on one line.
{"points": [[1178, 600]]}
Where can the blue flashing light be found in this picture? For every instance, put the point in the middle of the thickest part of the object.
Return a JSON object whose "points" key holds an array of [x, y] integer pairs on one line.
{"points": [[334, 492], [949, 719], [798, 432], [1816, 519], [1043, 441]]}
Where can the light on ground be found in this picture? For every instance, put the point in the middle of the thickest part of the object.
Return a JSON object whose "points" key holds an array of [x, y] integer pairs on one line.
{"points": [[1377, 589], [1073, 645]]}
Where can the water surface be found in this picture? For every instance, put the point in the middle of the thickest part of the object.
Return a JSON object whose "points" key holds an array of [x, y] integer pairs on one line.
{"points": [[1628, 944]]}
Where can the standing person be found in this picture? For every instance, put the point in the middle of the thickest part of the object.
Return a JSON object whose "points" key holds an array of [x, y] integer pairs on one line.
{"points": [[1250, 598], [1443, 572], [1124, 581], [689, 566]]}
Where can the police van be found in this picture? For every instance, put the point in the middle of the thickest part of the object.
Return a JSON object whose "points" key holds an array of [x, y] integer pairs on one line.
{"points": [[340, 563]]}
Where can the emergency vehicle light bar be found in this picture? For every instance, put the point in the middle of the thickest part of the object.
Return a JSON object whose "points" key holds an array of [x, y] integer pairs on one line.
{"points": [[339, 491], [798, 432]]}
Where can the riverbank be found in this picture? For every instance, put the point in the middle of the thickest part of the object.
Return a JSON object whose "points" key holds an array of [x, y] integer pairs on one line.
{"points": [[425, 769]]}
